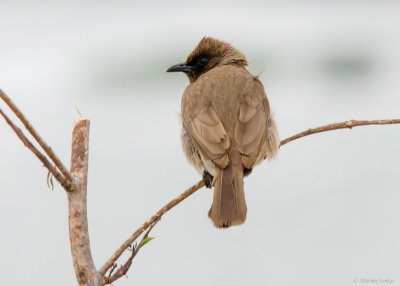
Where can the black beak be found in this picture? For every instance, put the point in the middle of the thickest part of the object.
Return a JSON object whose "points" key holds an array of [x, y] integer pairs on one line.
{"points": [[180, 68]]}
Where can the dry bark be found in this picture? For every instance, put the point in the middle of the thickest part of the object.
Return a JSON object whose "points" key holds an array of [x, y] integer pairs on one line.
{"points": [[85, 271]]}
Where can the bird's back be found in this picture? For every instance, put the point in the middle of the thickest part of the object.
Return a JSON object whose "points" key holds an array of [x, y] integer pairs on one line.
{"points": [[224, 88]]}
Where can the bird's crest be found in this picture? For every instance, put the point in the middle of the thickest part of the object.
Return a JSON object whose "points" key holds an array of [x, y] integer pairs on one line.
{"points": [[223, 51]]}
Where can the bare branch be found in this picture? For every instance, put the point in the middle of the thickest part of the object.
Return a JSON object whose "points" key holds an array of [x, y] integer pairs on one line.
{"points": [[78, 225], [35, 135], [85, 270], [125, 267], [341, 125], [346, 124], [148, 223], [64, 182]]}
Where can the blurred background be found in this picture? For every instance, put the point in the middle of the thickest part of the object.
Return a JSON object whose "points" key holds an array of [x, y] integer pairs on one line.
{"points": [[324, 212]]}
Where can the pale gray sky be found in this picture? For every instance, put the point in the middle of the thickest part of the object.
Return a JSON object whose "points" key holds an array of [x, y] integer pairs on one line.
{"points": [[325, 212]]}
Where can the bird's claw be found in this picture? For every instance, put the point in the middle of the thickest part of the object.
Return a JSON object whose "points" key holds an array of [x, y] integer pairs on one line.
{"points": [[246, 172], [207, 179]]}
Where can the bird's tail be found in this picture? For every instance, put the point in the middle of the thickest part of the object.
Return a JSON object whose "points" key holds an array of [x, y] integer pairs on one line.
{"points": [[229, 205]]}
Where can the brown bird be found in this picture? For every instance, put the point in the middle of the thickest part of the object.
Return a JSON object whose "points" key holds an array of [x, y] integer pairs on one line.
{"points": [[227, 125]]}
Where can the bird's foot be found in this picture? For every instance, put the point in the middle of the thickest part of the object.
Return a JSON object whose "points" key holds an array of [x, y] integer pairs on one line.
{"points": [[207, 178], [246, 172]]}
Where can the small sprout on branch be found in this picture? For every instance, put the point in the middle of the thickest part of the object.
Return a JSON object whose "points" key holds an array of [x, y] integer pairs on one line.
{"points": [[115, 265], [78, 112], [145, 241], [50, 180]]}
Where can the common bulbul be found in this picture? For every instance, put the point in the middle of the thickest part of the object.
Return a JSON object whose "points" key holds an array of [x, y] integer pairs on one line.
{"points": [[227, 124]]}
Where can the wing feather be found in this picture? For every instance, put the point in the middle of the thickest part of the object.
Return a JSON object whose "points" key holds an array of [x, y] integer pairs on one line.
{"points": [[251, 126], [209, 133]]}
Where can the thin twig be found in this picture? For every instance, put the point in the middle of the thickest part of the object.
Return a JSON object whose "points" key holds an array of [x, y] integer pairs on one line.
{"points": [[37, 137], [52, 169], [78, 112], [340, 125], [115, 265], [123, 269], [148, 223]]}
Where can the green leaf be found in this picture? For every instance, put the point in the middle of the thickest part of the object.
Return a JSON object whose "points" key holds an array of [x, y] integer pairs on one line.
{"points": [[47, 179], [50, 179], [51, 182], [145, 241]]}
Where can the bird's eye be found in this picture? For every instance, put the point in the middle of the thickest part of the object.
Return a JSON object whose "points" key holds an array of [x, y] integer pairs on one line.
{"points": [[202, 61]]}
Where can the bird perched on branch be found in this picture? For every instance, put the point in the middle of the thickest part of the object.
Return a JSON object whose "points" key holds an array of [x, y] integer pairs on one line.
{"points": [[227, 125]]}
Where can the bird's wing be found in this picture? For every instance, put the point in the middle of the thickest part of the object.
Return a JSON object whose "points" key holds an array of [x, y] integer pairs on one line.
{"points": [[208, 132], [251, 125]]}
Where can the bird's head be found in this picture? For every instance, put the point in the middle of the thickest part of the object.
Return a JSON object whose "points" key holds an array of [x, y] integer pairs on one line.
{"points": [[208, 54]]}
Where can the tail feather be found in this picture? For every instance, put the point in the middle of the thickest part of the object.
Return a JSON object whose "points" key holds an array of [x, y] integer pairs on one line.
{"points": [[229, 205]]}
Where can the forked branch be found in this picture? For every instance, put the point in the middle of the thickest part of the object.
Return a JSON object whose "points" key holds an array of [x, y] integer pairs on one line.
{"points": [[68, 186], [52, 169], [147, 224], [123, 269]]}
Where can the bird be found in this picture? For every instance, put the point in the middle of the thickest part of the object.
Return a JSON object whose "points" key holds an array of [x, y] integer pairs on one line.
{"points": [[227, 125]]}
